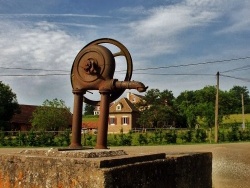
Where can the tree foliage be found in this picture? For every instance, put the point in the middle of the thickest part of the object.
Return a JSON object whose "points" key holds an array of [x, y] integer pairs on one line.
{"points": [[191, 108], [51, 116], [8, 104], [157, 109], [89, 109], [235, 96]]}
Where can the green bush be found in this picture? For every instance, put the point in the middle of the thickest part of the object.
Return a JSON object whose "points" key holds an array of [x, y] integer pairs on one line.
{"points": [[31, 139], [125, 139], [222, 136], [90, 139], [233, 133], [244, 135], [2, 139], [200, 136], [113, 140], [142, 139], [186, 136], [170, 137], [156, 137]]}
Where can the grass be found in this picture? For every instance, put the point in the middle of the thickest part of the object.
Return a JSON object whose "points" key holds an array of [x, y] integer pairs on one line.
{"points": [[90, 118], [236, 118]]}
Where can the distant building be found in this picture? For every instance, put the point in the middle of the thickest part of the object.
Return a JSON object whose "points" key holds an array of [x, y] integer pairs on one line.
{"points": [[22, 121], [123, 115], [134, 98], [97, 110]]}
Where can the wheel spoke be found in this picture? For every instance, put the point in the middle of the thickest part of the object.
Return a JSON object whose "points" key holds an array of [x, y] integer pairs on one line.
{"points": [[118, 54]]}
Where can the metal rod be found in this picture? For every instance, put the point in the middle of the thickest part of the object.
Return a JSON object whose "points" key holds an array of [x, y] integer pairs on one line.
{"points": [[77, 120], [101, 142]]}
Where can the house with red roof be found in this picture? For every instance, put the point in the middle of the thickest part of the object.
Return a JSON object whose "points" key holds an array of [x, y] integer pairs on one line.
{"points": [[22, 121], [123, 115]]}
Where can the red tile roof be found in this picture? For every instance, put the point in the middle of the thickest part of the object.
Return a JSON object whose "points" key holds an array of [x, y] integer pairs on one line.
{"points": [[89, 125], [127, 106], [25, 114]]}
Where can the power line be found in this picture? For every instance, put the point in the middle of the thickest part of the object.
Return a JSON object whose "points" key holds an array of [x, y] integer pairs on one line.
{"points": [[238, 69], [174, 74], [237, 78], [191, 64], [149, 68], [18, 68], [27, 75]]}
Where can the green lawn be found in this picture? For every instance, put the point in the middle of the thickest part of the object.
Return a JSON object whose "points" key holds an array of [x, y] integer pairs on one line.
{"points": [[90, 118]]}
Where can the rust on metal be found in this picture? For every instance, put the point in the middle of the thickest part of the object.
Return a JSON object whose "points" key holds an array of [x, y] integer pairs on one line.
{"points": [[93, 69]]}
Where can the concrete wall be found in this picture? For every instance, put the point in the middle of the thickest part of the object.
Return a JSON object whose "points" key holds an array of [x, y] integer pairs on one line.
{"points": [[104, 169]]}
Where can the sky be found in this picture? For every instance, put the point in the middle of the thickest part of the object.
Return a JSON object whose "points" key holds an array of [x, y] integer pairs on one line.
{"points": [[176, 45]]}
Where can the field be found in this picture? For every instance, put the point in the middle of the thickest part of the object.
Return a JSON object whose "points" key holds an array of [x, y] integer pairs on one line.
{"points": [[90, 118], [236, 118]]}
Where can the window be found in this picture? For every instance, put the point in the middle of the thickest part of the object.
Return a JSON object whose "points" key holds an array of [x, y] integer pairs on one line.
{"points": [[118, 107], [125, 120], [96, 112], [112, 120]]}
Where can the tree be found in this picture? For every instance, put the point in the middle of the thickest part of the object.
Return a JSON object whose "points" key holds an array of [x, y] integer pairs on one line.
{"points": [[185, 105], [89, 109], [235, 96], [8, 104], [51, 116], [198, 106], [157, 109]]}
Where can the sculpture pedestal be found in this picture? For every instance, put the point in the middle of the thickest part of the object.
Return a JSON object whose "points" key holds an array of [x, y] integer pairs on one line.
{"points": [[104, 169]]}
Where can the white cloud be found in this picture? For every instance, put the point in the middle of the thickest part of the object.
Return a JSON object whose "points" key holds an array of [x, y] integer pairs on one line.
{"points": [[238, 18], [160, 28], [42, 46]]}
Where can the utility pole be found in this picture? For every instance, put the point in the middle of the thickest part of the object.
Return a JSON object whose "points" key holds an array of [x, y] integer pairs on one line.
{"points": [[216, 110], [243, 111]]}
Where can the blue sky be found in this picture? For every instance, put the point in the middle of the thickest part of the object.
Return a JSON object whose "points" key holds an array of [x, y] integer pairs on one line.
{"points": [[181, 43]]}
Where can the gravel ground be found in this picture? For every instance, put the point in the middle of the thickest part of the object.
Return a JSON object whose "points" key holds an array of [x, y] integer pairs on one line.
{"points": [[231, 162]]}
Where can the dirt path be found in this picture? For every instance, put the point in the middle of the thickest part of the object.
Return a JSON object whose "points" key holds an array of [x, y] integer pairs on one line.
{"points": [[231, 162]]}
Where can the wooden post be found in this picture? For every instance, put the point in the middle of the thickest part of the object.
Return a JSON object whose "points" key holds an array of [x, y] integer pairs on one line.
{"points": [[216, 110]]}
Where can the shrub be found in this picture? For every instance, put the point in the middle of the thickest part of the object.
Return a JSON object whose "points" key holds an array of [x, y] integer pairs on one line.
{"points": [[170, 137], [222, 136], [113, 140], [186, 136], [156, 137], [125, 139], [90, 139], [2, 138], [233, 133], [200, 135], [244, 135], [142, 139], [31, 139]]}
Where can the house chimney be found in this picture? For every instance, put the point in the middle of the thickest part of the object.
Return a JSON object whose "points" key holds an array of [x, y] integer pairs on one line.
{"points": [[128, 95]]}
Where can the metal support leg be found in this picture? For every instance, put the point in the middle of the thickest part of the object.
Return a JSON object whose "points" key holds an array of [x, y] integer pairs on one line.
{"points": [[77, 121], [101, 142]]}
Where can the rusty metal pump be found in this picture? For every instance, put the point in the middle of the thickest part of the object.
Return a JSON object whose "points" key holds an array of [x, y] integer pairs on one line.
{"points": [[93, 69]]}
